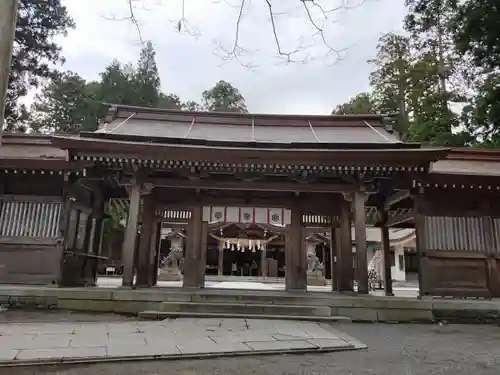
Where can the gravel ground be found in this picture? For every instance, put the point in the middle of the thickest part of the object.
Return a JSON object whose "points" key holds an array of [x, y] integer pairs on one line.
{"points": [[397, 349]]}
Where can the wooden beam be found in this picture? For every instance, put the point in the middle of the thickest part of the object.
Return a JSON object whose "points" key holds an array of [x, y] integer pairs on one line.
{"points": [[310, 205], [395, 198], [248, 186], [400, 219]]}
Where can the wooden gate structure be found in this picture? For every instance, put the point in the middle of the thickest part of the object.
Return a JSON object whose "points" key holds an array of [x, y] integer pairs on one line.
{"points": [[326, 172], [458, 226]]}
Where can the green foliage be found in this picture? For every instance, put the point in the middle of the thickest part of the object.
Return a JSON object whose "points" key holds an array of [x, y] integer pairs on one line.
{"points": [[223, 97], [391, 79], [66, 104], [146, 78], [70, 104], [34, 53], [169, 101], [422, 77], [362, 103], [477, 37]]}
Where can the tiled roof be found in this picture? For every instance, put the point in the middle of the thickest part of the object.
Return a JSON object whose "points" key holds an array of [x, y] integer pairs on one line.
{"points": [[231, 127]]}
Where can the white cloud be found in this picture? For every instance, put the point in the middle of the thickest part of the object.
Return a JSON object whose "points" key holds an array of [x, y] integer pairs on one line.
{"points": [[188, 65]]}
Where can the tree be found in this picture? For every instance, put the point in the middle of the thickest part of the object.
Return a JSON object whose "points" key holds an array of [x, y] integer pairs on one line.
{"points": [[223, 97], [146, 78], [392, 78], [34, 52], [67, 104], [169, 101], [478, 32], [438, 79], [191, 106], [477, 36], [362, 103]]}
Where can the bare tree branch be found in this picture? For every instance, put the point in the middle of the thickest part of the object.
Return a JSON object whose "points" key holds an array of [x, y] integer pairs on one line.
{"points": [[287, 55], [236, 51], [133, 19], [183, 24], [313, 9]]}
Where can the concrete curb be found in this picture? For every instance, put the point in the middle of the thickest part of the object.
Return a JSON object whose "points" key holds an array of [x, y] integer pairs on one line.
{"points": [[62, 361]]}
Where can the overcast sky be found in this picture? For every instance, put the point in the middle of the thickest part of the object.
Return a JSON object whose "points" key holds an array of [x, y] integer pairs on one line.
{"points": [[190, 64]]}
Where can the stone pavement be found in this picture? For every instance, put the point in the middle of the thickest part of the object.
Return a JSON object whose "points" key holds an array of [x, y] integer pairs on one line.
{"points": [[52, 343]]}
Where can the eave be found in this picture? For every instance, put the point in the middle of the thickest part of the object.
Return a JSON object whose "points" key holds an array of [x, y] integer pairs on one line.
{"points": [[255, 155]]}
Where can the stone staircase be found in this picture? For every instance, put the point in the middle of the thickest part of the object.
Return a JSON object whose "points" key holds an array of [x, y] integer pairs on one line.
{"points": [[243, 306]]}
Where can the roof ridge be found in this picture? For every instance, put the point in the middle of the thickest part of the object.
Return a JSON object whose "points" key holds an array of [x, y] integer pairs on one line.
{"points": [[249, 115]]}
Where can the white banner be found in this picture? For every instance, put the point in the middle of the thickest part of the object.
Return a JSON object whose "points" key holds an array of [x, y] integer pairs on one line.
{"points": [[247, 215]]}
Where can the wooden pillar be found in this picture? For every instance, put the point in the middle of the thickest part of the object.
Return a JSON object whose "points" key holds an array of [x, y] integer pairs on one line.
{"points": [[295, 254], [193, 254], [97, 214], [420, 241], [386, 254], [334, 237], [130, 238], [220, 259], [154, 253], [360, 235], [144, 251], [203, 261], [263, 261], [344, 254]]}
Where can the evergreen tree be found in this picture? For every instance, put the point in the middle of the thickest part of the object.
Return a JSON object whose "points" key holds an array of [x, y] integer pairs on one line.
{"points": [[477, 37], [437, 72], [147, 79], [392, 78], [67, 104], [34, 52], [362, 103], [223, 97]]}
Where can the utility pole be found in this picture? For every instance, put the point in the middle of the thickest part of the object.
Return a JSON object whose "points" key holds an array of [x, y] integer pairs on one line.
{"points": [[8, 15]]}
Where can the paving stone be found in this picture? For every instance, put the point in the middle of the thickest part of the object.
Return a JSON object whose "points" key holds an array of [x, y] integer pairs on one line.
{"points": [[28, 328], [7, 354], [330, 343], [125, 327], [92, 339], [49, 342], [241, 337], [166, 349], [132, 339], [280, 345], [166, 338], [61, 354], [208, 346]]}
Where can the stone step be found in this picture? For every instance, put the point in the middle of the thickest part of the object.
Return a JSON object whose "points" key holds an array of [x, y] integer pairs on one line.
{"points": [[160, 315], [242, 308], [248, 299]]}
